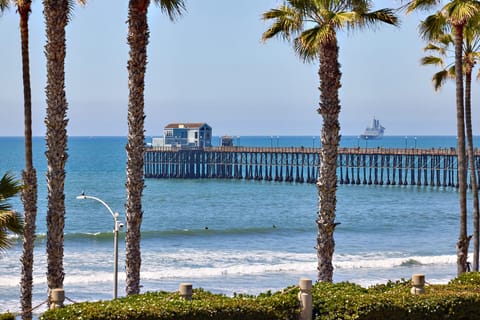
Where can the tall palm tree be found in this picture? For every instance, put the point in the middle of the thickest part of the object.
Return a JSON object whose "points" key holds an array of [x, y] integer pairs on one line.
{"points": [[138, 35], [9, 219], [57, 13], [456, 14], [314, 25], [471, 53], [29, 175]]}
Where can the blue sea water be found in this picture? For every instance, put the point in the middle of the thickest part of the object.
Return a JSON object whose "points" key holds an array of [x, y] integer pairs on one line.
{"points": [[228, 235]]}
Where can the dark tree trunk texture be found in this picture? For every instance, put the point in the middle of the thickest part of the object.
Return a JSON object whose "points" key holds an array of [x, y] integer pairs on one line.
{"points": [[138, 40], [471, 161], [29, 191], [463, 239], [56, 19], [330, 75]]}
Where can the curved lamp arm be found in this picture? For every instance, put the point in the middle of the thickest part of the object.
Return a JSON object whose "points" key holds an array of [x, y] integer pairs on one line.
{"points": [[114, 215]]}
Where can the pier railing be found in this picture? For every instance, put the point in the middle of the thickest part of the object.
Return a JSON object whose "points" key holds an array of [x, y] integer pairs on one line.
{"points": [[378, 166]]}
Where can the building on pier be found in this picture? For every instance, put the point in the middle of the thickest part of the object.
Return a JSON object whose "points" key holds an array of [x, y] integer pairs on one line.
{"points": [[189, 135], [226, 141]]}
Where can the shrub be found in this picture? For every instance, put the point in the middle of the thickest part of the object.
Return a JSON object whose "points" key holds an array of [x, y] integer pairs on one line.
{"points": [[169, 306], [459, 299], [7, 316]]}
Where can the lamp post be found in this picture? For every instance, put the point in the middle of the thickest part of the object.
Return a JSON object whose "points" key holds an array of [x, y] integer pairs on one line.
{"points": [[313, 142], [116, 227]]}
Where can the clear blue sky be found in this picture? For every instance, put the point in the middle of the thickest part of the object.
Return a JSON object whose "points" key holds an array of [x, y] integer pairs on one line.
{"points": [[210, 66]]}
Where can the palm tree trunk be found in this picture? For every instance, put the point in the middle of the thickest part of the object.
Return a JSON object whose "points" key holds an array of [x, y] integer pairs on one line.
{"points": [[138, 40], [56, 18], [329, 74], [463, 240], [29, 199], [29, 191], [471, 160]]}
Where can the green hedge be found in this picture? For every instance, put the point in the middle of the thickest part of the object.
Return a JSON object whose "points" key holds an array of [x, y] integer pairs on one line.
{"points": [[7, 316], [169, 306], [459, 299]]}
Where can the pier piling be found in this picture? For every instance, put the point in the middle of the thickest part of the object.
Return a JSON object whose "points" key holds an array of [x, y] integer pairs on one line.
{"points": [[356, 166]]}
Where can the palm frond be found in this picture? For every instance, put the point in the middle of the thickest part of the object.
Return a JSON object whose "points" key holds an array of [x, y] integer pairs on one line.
{"points": [[173, 8], [440, 46], [343, 19], [461, 11], [323, 17], [9, 187], [446, 39], [360, 6], [287, 22], [360, 20], [434, 26], [382, 15], [420, 5], [439, 79], [4, 4], [10, 221], [432, 60], [441, 43], [303, 6], [437, 48], [69, 11], [432, 47], [308, 43], [476, 55]]}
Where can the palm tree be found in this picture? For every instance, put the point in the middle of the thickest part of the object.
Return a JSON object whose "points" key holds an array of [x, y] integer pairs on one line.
{"points": [[455, 14], [471, 53], [138, 35], [314, 25], [9, 219], [29, 175], [56, 19]]}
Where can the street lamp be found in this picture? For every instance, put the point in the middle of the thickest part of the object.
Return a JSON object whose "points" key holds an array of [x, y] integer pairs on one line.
{"points": [[116, 227], [313, 142]]}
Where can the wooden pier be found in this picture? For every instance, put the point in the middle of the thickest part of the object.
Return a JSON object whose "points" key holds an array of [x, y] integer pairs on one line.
{"points": [[368, 166]]}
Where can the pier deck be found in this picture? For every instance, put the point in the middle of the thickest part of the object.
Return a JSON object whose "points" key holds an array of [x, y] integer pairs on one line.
{"points": [[377, 166]]}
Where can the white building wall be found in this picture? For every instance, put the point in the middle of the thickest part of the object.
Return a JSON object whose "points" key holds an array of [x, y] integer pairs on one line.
{"points": [[158, 142], [191, 137]]}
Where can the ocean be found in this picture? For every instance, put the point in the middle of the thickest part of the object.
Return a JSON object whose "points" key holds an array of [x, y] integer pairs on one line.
{"points": [[232, 236]]}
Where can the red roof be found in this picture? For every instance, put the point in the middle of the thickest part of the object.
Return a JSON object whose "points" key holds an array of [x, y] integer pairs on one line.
{"points": [[185, 125]]}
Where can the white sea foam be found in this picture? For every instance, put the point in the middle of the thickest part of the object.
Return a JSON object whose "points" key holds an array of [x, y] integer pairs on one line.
{"points": [[382, 262], [95, 267]]}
